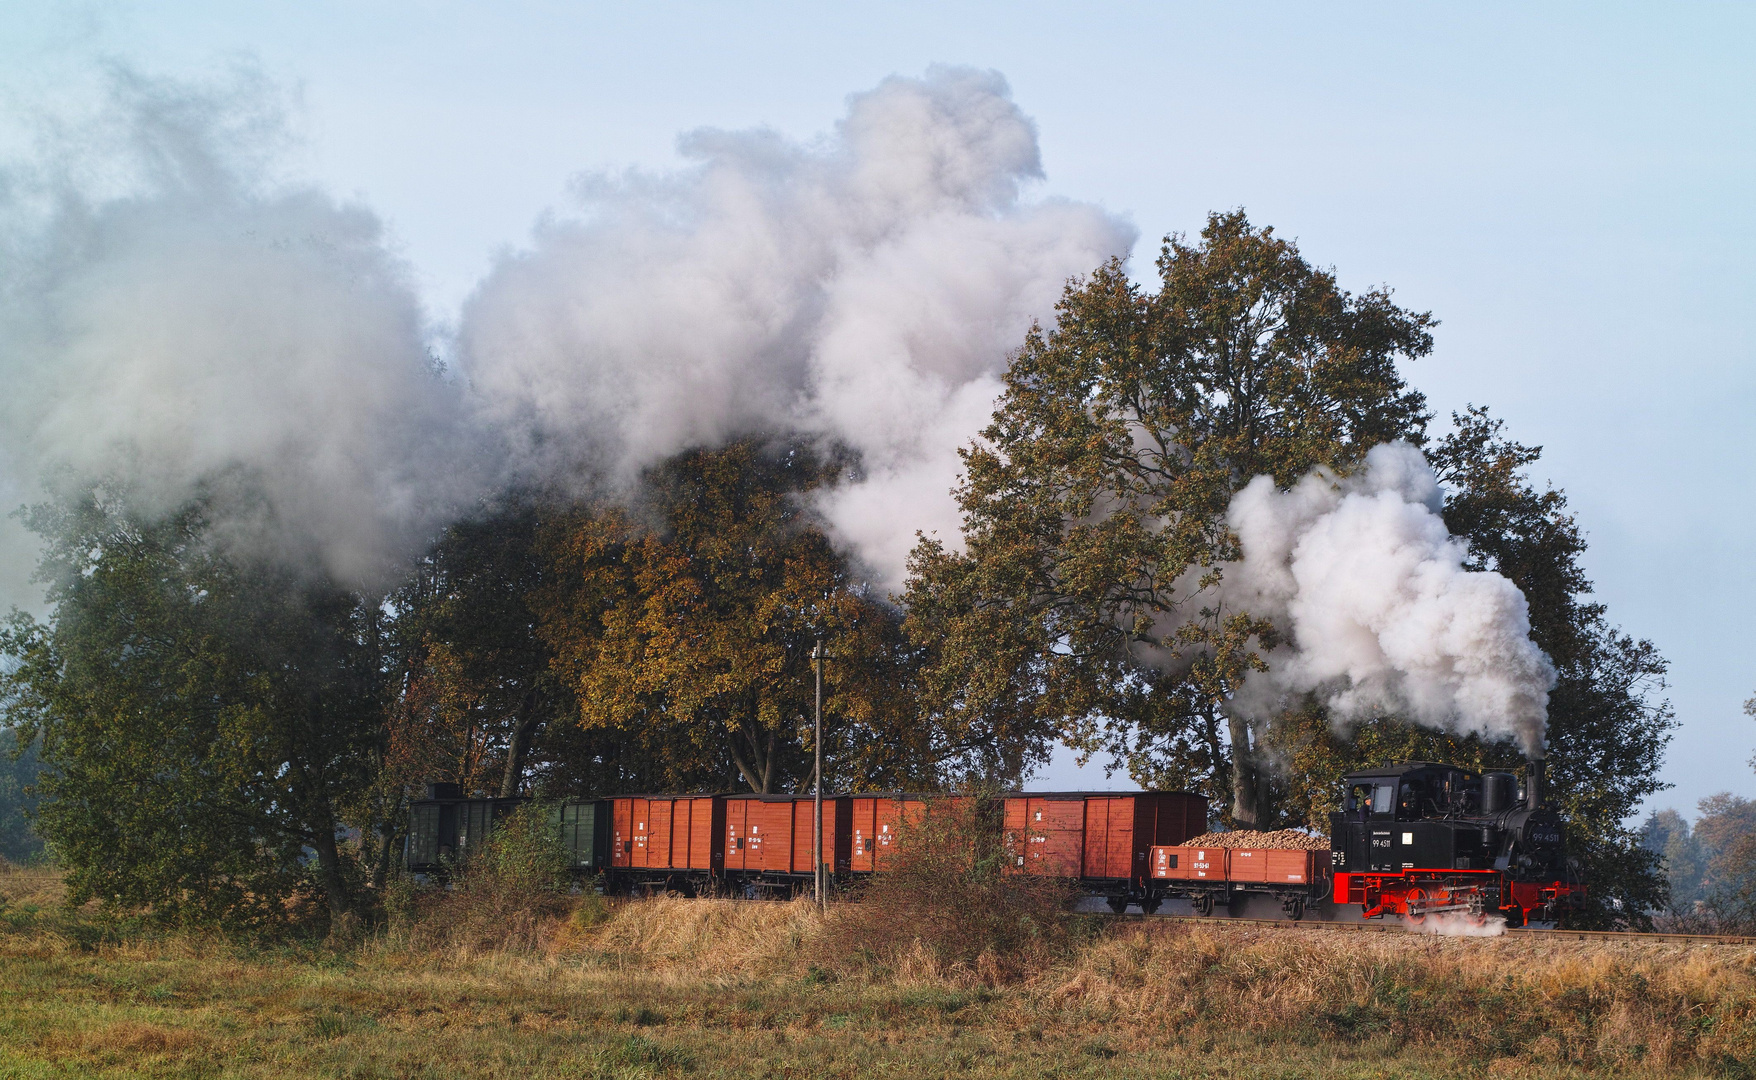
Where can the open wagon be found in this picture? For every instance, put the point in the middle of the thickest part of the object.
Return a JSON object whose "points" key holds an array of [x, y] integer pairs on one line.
{"points": [[1212, 875]]}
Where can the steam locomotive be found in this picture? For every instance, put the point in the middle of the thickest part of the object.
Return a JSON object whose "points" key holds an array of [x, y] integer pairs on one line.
{"points": [[1420, 838]]}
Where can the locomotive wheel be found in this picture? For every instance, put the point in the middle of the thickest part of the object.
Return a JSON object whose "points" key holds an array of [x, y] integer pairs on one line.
{"points": [[1412, 899]]}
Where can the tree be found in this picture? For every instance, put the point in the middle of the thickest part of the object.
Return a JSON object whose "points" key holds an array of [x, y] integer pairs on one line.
{"points": [[683, 628], [474, 689], [1095, 505], [1666, 834], [1085, 604], [19, 842], [204, 718], [1725, 837]]}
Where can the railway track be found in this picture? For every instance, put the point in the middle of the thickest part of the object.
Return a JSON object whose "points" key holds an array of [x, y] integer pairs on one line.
{"points": [[1398, 927]]}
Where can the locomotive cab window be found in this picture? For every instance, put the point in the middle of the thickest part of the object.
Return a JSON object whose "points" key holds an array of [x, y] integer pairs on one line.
{"points": [[1384, 799]]}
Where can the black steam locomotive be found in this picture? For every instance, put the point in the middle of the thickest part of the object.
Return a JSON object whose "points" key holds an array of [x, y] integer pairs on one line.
{"points": [[1418, 838]]}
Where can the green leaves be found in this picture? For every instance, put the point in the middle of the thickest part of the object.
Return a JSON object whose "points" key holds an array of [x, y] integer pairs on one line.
{"points": [[1095, 503]]}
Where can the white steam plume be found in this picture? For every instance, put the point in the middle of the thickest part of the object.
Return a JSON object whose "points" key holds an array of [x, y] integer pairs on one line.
{"points": [[1381, 613], [200, 323], [866, 288], [169, 316]]}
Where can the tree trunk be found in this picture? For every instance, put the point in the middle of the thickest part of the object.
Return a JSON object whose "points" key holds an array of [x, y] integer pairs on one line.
{"points": [[1247, 809], [524, 724], [758, 768], [329, 873], [387, 849]]}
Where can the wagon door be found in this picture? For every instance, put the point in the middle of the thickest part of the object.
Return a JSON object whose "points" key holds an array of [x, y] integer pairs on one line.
{"points": [[658, 844], [641, 809], [622, 833], [1055, 836], [862, 826]]}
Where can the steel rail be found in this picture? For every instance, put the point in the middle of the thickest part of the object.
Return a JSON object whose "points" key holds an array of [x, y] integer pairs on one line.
{"points": [[1399, 927]]}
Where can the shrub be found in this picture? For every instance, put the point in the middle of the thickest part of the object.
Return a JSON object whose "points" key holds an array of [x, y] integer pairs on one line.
{"points": [[500, 897], [948, 897]]}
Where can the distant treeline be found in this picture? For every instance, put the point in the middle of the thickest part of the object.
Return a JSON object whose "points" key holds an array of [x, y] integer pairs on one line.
{"points": [[1711, 866]]}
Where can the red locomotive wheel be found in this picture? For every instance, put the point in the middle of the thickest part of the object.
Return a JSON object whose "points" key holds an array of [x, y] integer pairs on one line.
{"points": [[1411, 900]]}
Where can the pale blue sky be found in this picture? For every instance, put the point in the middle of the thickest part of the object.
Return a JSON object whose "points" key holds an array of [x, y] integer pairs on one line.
{"points": [[1568, 189]]}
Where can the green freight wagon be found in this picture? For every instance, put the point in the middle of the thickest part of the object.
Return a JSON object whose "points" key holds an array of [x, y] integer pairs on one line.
{"points": [[445, 827], [585, 833]]}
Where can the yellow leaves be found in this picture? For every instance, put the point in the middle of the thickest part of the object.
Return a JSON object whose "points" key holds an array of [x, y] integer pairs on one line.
{"points": [[704, 608]]}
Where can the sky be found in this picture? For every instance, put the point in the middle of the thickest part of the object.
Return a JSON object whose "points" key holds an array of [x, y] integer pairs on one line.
{"points": [[1567, 188]]}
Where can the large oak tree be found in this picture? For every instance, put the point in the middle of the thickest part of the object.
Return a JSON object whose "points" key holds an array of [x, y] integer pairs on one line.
{"points": [[1094, 505]]}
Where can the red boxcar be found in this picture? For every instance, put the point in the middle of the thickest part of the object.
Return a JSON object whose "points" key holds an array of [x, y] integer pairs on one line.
{"points": [[1101, 838], [666, 835], [879, 817], [770, 835]]}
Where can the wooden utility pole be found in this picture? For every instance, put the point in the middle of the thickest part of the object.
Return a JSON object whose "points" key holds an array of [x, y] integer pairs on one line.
{"points": [[817, 750]]}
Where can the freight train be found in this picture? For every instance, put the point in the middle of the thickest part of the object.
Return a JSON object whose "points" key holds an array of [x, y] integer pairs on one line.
{"points": [[1412, 839]]}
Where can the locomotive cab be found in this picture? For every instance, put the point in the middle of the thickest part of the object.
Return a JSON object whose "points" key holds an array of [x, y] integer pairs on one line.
{"points": [[1407, 816]]}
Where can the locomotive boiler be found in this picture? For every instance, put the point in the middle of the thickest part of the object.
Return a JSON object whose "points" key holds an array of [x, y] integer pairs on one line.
{"points": [[1418, 838]]}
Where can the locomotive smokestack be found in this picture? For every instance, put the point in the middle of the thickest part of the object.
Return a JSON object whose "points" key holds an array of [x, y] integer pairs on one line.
{"points": [[1533, 783]]}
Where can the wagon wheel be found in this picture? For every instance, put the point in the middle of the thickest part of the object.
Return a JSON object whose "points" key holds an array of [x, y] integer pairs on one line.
{"points": [[1295, 908], [1410, 901], [1118, 904], [1204, 904], [1150, 905]]}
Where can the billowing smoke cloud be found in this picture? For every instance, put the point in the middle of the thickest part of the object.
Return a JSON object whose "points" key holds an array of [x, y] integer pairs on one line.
{"points": [[201, 325], [1382, 615], [169, 316], [866, 288]]}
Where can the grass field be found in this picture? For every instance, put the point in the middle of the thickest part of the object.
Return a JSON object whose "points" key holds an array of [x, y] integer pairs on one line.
{"points": [[716, 989]]}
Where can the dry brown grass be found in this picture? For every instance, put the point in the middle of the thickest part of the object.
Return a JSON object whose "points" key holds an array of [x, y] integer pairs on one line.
{"points": [[705, 938], [1605, 1005], [34, 886]]}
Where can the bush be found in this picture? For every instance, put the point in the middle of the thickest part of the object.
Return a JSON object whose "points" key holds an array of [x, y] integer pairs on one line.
{"points": [[948, 900], [500, 897]]}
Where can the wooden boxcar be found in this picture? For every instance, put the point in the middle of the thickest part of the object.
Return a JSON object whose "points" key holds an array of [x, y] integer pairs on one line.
{"points": [[880, 817], [584, 828], [768, 840], [1102, 839], [665, 841]]}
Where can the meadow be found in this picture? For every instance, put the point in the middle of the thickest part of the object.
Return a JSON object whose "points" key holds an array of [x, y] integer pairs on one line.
{"points": [[694, 988]]}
